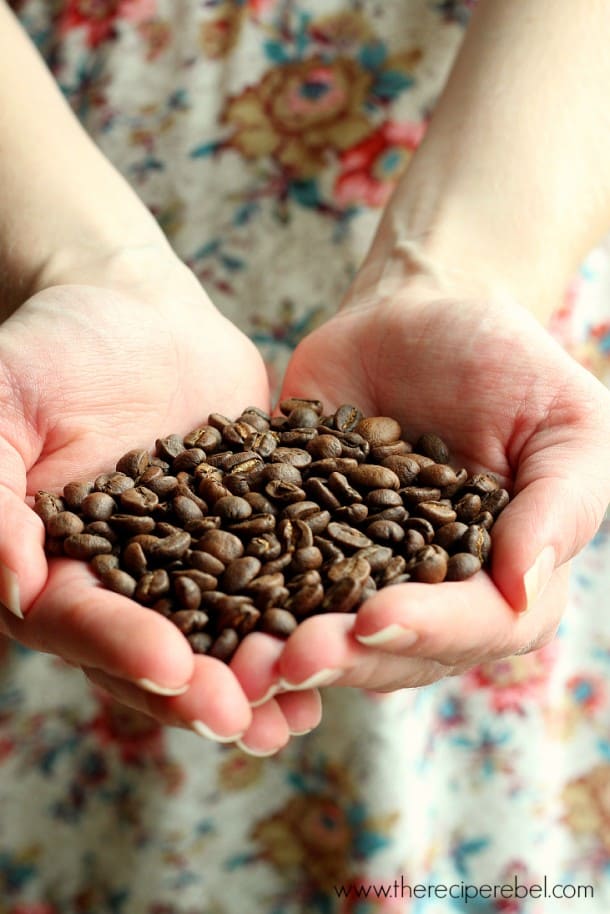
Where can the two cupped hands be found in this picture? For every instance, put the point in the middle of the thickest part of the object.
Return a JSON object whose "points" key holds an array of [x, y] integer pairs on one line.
{"points": [[88, 372]]}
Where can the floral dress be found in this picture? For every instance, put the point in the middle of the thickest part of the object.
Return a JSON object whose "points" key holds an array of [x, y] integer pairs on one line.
{"points": [[264, 133]]}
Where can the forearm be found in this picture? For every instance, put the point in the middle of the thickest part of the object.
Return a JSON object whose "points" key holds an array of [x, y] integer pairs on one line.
{"points": [[65, 213], [512, 181]]}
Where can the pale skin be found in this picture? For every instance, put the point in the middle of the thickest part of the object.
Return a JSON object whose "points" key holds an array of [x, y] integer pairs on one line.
{"points": [[500, 204]]}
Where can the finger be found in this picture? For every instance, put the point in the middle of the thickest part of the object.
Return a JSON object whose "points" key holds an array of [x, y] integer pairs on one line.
{"points": [[267, 733], [459, 623], [213, 707], [323, 651], [255, 666], [302, 710], [76, 618]]}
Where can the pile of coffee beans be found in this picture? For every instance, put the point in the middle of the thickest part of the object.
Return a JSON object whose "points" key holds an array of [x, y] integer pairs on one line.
{"points": [[257, 523]]}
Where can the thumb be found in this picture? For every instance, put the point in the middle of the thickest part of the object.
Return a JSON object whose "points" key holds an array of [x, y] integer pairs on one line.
{"points": [[23, 564]]}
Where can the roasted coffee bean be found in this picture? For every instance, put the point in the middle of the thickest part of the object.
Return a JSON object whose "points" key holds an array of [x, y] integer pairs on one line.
{"points": [[74, 492], [239, 484], [279, 424], [113, 483], [397, 448], [430, 445], [187, 460], [303, 417], [202, 579], [372, 476], [222, 545], [138, 500], [211, 490], [282, 472], [429, 565], [186, 591], [422, 526], [260, 504], [232, 508], [317, 521], [169, 447], [343, 596], [324, 446], [199, 528], [449, 535], [306, 600], [437, 475], [264, 547], [413, 542], [496, 501], [54, 546], [397, 513], [278, 622], [318, 490], [133, 463], [291, 403], [85, 546], [243, 462], [462, 565], [217, 420], [171, 547], [347, 537], [284, 492], [413, 495], [376, 556], [134, 559], [332, 465], [262, 443], [296, 437], [200, 642], [159, 462], [190, 620], [152, 586], [436, 512], [355, 567], [294, 456], [256, 525], [263, 586], [65, 523], [451, 490], [340, 486], [98, 506], [162, 486], [379, 430], [237, 613], [225, 645], [421, 459], [477, 541], [482, 483], [403, 466], [330, 551], [369, 589], [239, 573], [103, 563], [279, 564], [102, 528], [306, 559], [204, 562], [394, 569], [468, 507], [118, 581], [379, 499], [385, 531], [205, 437], [186, 509], [347, 418], [237, 433], [257, 417], [355, 513], [207, 470], [484, 519]]}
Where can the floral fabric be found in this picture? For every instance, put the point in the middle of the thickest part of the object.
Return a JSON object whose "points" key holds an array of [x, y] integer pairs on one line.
{"points": [[265, 136]]}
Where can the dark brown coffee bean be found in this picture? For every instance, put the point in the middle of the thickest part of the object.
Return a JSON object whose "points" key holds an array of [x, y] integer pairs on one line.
{"points": [[256, 525], [206, 473], [436, 512], [113, 483], [264, 585], [291, 403], [169, 447], [355, 513], [119, 581], [477, 541], [429, 565], [246, 462], [306, 559], [128, 525], [65, 523], [369, 589], [397, 448], [455, 487], [468, 507], [430, 445], [484, 519], [482, 483], [54, 546], [133, 463], [205, 437], [293, 456], [186, 509], [262, 443], [199, 528], [347, 418], [222, 545], [256, 417], [187, 592], [422, 526], [372, 476], [279, 564], [134, 559], [239, 573], [414, 541], [347, 537], [152, 586], [496, 501], [232, 508], [317, 521], [237, 613], [264, 547], [159, 462], [394, 569], [397, 513], [163, 486], [317, 489], [303, 417], [98, 506], [437, 475], [188, 459], [330, 551], [138, 500], [296, 437], [377, 557], [341, 487], [332, 465], [190, 620], [239, 484], [171, 547], [85, 546], [284, 492], [385, 531], [200, 642], [237, 433], [74, 492], [204, 562], [278, 622], [282, 472], [449, 535], [343, 596], [306, 600], [379, 499], [413, 495], [355, 567], [202, 579], [461, 566], [324, 446], [103, 563], [224, 646], [379, 430], [102, 528], [403, 466]]}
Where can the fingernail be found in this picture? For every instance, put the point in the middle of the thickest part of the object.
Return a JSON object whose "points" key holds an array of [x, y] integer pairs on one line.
{"points": [[322, 677], [399, 636], [539, 575], [9, 590], [271, 691], [257, 753], [149, 686], [301, 732], [203, 730]]}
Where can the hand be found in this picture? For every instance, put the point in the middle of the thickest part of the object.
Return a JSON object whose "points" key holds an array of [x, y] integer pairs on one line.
{"points": [[505, 398], [87, 373]]}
